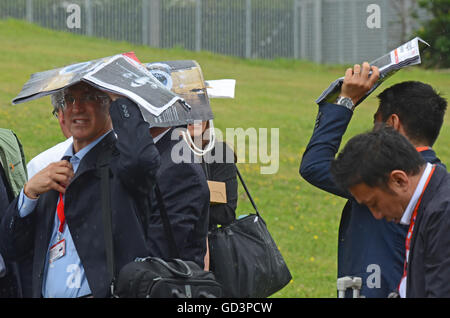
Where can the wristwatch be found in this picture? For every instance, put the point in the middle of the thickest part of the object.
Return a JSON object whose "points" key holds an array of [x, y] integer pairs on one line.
{"points": [[346, 102]]}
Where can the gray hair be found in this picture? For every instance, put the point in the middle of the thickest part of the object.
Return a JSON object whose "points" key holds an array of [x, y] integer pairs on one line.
{"points": [[57, 101]]}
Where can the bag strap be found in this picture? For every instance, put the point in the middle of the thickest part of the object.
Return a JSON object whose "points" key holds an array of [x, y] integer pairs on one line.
{"points": [[103, 165], [248, 192], [173, 249], [107, 225]]}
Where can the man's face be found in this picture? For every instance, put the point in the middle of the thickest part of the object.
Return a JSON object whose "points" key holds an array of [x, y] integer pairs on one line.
{"points": [[383, 203], [86, 114]]}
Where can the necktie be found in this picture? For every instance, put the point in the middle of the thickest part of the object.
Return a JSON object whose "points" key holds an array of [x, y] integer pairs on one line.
{"points": [[60, 207]]}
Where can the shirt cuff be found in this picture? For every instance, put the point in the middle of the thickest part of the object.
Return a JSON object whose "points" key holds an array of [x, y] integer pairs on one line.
{"points": [[25, 205]]}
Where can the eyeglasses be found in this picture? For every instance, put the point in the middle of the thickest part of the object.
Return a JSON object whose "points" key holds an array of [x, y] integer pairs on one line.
{"points": [[69, 100]]}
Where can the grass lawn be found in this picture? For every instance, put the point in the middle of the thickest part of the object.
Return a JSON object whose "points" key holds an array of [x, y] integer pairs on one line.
{"points": [[269, 94]]}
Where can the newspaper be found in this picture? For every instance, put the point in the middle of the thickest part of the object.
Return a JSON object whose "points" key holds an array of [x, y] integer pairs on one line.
{"points": [[405, 55], [223, 88], [185, 79], [121, 74]]}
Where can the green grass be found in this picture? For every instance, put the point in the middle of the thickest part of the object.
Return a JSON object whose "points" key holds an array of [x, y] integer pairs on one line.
{"points": [[269, 94]]}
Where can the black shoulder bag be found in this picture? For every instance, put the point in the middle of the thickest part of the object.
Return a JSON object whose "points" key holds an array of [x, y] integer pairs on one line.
{"points": [[153, 277], [245, 258]]}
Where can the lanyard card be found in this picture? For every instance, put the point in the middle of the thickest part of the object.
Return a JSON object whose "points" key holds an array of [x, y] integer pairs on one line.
{"points": [[57, 251]]}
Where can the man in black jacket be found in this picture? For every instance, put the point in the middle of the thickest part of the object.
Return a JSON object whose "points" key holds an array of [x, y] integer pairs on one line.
{"points": [[185, 195], [383, 171], [57, 218]]}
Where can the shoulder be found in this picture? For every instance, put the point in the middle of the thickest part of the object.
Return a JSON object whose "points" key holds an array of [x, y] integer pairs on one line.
{"points": [[438, 206], [48, 156]]}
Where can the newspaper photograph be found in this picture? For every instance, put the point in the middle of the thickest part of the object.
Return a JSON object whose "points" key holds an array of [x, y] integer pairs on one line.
{"points": [[121, 74], [185, 79], [407, 54]]}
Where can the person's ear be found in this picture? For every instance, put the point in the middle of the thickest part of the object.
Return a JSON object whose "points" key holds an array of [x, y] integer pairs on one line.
{"points": [[399, 181], [394, 122]]}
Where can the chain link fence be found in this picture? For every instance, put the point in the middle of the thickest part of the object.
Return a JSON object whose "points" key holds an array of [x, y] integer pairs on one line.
{"points": [[324, 31]]}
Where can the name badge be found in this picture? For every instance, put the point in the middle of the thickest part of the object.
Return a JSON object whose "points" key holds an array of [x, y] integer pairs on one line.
{"points": [[57, 251]]}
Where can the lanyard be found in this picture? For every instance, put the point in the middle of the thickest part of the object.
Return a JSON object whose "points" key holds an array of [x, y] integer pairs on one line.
{"points": [[424, 148], [411, 224]]}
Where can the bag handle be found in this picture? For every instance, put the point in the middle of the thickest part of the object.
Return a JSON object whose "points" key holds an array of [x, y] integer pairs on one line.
{"points": [[247, 191], [185, 274]]}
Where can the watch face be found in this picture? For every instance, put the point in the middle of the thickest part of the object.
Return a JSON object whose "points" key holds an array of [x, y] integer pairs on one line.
{"points": [[345, 101]]}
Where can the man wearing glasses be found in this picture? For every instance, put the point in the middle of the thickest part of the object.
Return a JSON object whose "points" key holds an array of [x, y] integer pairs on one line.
{"points": [[57, 218], [56, 152]]}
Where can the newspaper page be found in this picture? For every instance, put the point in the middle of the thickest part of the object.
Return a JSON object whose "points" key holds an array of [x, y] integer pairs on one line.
{"points": [[120, 74], [405, 55], [185, 79]]}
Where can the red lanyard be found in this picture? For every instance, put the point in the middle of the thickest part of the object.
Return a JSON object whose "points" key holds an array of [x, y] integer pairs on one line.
{"points": [[413, 221], [424, 148], [60, 212]]}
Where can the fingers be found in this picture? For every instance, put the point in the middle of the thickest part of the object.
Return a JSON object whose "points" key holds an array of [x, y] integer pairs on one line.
{"points": [[348, 74], [365, 70], [359, 80], [375, 75], [356, 69], [56, 176]]}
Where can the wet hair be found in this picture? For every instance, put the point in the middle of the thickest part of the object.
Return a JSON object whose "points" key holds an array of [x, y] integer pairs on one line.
{"points": [[419, 107], [370, 158]]}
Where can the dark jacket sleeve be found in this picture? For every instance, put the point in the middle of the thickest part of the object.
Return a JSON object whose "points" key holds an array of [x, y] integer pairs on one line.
{"points": [[16, 233], [437, 254], [331, 124], [139, 159]]}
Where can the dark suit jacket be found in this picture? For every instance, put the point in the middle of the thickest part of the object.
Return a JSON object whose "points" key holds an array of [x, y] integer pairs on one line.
{"points": [[428, 273], [371, 249], [133, 165], [186, 198]]}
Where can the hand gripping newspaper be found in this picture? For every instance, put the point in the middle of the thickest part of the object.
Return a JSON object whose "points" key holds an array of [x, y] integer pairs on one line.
{"points": [[405, 55]]}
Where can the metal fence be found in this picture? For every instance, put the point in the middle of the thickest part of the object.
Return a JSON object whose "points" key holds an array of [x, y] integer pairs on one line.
{"points": [[325, 31]]}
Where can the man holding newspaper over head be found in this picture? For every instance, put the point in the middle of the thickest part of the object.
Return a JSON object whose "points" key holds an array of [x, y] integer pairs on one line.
{"points": [[57, 219], [371, 249]]}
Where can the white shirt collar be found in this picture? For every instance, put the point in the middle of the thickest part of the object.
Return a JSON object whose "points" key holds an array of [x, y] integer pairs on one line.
{"points": [[406, 217], [157, 138]]}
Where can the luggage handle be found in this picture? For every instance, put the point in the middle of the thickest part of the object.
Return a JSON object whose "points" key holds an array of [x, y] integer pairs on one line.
{"points": [[180, 262]]}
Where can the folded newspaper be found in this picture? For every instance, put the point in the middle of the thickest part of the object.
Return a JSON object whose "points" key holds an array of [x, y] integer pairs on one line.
{"points": [[185, 79], [405, 55], [122, 74]]}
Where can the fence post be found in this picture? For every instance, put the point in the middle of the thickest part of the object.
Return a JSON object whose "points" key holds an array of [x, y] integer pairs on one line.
{"points": [[89, 21], [248, 28], [318, 31], [29, 11], [198, 26], [303, 29], [144, 5], [295, 32], [154, 25]]}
